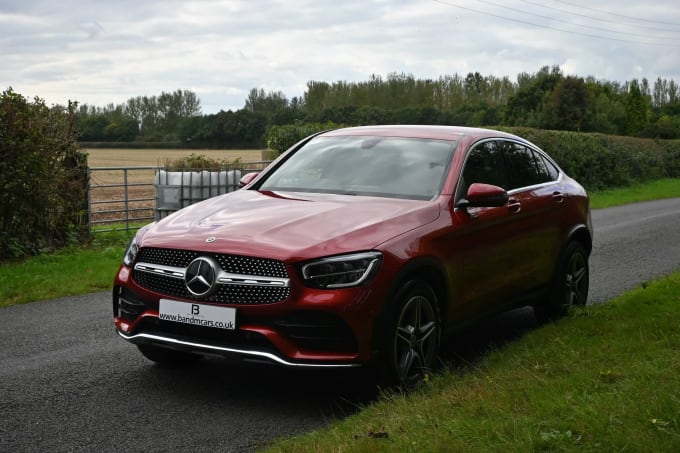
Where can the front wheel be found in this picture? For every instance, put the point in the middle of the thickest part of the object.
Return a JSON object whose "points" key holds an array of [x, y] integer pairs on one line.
{"points": [[571, 284], [412, 335]]}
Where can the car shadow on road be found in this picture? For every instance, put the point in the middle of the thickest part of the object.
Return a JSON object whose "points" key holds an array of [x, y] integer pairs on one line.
{"points": [[471, 344], [321, 395]]}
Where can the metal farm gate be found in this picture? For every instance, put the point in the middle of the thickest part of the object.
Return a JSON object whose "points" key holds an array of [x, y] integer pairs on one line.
{"points": [[127, 198]]}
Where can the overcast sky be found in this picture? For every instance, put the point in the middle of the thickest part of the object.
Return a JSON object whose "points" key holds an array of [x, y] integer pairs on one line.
{"points": [[100, 52]]}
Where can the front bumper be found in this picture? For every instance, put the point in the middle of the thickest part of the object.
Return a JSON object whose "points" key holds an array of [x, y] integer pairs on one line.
{"points": [[204, 347], [311, 328]]}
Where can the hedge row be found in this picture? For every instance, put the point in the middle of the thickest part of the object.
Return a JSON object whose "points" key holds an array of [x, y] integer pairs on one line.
{"points": [[606, 161], [43, 177], [597, 161]]}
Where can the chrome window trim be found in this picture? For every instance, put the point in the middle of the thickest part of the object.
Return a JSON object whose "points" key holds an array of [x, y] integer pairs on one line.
{"points": [[560, 172], [536, 186]]}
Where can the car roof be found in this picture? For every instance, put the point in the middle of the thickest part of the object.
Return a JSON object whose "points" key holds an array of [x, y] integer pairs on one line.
{"points": [[418, 131]]}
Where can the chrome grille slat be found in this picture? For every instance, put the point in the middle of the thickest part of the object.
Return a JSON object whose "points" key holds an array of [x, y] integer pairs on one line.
{"points": [[245, 280]]}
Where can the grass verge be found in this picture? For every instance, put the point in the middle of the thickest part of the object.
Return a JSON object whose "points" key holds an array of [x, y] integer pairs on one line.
{"points": [[69, 271], [653, 190], [603, 379]]}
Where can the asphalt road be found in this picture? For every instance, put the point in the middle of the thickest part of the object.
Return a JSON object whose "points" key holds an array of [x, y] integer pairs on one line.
{"points": [[68, 383]]}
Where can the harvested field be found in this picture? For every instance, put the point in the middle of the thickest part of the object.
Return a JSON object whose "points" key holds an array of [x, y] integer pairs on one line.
{"points": [[127, 195], [127, 157]]}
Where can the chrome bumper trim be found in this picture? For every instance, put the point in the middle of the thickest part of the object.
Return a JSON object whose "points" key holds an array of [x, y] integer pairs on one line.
{"points": [[224, 350]]}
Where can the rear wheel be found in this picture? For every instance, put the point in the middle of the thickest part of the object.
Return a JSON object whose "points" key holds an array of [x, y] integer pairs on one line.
{"points": [[412, 335], [571, 284], [167, 357]]}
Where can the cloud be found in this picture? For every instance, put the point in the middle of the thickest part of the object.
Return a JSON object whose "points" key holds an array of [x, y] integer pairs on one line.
{"points": [[103, 52]]}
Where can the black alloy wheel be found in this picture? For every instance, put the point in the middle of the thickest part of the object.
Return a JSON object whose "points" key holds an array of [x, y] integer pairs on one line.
{"points": [[571, 284], [413, 335]]}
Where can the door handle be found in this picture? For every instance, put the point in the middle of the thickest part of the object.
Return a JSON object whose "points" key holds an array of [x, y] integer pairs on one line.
{"points": [[514, 206], [558, 197]]}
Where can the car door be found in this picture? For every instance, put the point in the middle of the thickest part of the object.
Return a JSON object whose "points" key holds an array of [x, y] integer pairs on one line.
{"points": [[534, 187], [483, 245]]}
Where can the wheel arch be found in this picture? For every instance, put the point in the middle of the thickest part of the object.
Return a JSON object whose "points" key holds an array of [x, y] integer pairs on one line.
{"points": [[580, 233], [430, 271]]}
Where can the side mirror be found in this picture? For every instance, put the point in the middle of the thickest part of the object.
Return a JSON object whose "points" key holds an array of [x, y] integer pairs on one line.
{"points": [[484, 196], [247, 179]]}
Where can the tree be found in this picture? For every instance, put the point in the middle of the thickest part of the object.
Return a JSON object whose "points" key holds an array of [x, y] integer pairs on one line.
{"points": [[637, 110], [527, 106], [158, 117], [266, 103], [568, 105]]}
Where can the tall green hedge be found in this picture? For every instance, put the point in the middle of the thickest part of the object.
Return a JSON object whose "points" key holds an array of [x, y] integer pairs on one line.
{"points": [[43, 177], [605, 161]]}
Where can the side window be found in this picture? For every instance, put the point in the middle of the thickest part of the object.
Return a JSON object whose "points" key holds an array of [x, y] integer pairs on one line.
{"points": [[527, 167], [485, 164], [552, 170]]}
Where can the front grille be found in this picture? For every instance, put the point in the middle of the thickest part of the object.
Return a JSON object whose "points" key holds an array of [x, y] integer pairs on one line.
{"points": [[225, 294], [236, 264], [166, 257]]}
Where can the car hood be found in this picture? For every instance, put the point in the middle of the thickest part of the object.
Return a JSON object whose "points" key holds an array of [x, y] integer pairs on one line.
{"points": [[288, 226]]}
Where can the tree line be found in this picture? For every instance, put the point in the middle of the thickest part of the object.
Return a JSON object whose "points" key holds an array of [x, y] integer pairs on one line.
{"points": [[546, 99]]}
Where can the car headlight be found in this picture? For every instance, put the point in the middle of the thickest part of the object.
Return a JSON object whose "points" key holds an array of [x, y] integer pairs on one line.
{"points": [[341, 271], [131, 252]]}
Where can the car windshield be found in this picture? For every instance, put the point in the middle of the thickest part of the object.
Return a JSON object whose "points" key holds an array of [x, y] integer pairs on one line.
{"points": [[373, 166]]}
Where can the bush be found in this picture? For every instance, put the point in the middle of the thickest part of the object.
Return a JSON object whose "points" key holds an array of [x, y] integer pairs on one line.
{"points": [[198, 162], [672, 150], [43, 177], [605, 161], [280, 138]]}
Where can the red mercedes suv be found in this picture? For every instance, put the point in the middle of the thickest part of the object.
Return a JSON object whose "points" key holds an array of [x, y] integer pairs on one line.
{"points": [[359, 246]]}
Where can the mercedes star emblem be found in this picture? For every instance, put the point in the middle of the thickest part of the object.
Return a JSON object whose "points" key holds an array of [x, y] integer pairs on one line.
{"points": [[200, 276]]}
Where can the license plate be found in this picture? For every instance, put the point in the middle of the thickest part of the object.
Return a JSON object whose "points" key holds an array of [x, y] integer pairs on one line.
{"points": [[197, 314]]}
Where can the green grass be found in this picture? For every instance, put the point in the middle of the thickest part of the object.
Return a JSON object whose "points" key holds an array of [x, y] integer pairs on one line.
{"points": [[67, 272], [607, 378], [654, 190]]}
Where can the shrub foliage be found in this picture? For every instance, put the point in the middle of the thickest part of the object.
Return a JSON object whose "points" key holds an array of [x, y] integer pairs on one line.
{"points": [[601, 161], [43, 177], [280, 138]]}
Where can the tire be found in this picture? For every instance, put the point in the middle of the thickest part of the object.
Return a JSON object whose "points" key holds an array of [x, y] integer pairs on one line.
{"points": [[411, 337], [167, 357], [570, 285]]}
